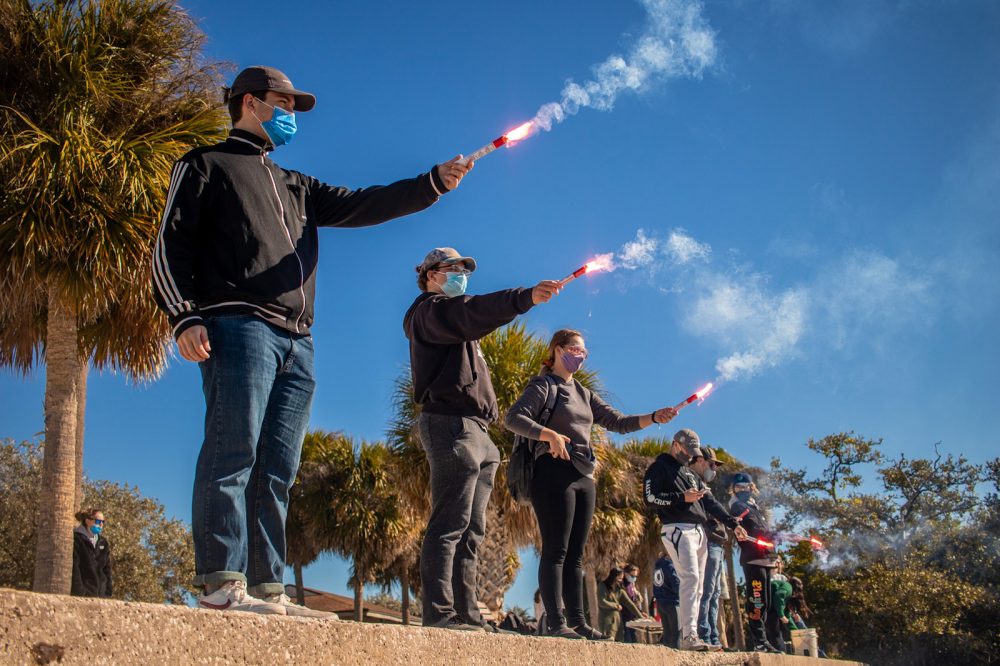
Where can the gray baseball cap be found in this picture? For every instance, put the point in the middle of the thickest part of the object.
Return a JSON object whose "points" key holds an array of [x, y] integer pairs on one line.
{"points": [[689, 440], [710, 456], [258, 77], [447, 256]]}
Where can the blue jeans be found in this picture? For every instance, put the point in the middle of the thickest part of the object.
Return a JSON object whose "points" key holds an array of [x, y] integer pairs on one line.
{"points": [[708, 612], [258, 385]]}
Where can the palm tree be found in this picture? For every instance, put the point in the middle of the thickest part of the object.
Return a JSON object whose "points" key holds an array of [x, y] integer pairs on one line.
{"points": [[514, 356], [348, 504], [99, 98], [307, 501]]}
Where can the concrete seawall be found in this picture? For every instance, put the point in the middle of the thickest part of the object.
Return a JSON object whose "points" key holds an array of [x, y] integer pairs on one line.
{"points": [[53, 629]]}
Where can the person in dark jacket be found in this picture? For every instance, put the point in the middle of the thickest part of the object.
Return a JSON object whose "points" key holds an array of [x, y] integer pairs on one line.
{"points": [[666, 592], [234, 269], [563, 494], [757, 559], [683, 504], [633, 610], [705, 467], [451, 383], [91, 556], [609, 603]]}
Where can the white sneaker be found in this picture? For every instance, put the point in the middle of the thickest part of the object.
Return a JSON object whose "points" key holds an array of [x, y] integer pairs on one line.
{"points": [[233, 596], [295, 610], [693, 644]]}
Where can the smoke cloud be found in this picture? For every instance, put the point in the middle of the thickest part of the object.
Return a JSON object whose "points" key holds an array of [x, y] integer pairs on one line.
{"points": [[760, 326], [676, 41]]}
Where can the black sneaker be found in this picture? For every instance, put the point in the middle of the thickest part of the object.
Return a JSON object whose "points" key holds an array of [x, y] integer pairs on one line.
{"points": [[456, 624], [492, 628], [564, 632], [766, 647], [591, 634]]}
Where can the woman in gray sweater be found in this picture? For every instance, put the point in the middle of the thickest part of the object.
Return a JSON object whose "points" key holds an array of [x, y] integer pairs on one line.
{"points": [[562, 488]]}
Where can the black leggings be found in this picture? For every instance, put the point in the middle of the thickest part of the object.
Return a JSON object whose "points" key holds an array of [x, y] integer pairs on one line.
{"points": [[563, 500], [758, 581]]}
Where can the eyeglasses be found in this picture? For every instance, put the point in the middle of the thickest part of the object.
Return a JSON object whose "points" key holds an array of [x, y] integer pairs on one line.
{"points": [[577, 351], [451, 268], [98, 521]]}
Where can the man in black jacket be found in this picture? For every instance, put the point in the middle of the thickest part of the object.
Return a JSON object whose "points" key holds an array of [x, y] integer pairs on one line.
{"points": [[451, 383], [705, 467], [683, 504], [234, 268]]}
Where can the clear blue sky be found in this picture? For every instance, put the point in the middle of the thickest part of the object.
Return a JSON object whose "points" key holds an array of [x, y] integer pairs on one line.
{"points": [[824, 199]]}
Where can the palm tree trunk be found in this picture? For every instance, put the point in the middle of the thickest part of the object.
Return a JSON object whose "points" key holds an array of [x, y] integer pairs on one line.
{"points": [[57, 497], [300, 594], [590, 595], [81, 410], [359, 601], [404, 582], [734, 599]]}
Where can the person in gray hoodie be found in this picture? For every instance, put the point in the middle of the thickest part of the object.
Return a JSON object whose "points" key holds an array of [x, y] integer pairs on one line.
{"points": [[563, 493]]}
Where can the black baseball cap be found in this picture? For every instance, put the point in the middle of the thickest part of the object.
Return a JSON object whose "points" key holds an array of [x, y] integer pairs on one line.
{"points": [[258, 77]]}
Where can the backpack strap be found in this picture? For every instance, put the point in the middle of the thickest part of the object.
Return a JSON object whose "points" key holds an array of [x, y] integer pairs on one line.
{"points": [[551, 396]]}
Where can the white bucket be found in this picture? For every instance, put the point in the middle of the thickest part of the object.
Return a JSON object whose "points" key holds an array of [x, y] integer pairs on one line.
{"points": [[805, 642]]}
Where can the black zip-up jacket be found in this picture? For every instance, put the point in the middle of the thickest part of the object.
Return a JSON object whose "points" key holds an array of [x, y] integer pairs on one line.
{"points": [[755, 523], [664, 486], [239, 233], [91, 566], [449, 372]]}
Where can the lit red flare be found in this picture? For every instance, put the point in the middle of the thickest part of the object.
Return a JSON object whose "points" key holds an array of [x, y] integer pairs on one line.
{"points": [[697, 395], [816, 542], [516, 134], [601, 263], [761, 542]]}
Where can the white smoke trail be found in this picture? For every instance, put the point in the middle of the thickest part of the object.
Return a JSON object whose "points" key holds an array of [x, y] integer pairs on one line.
{"points": [[677, 41]]}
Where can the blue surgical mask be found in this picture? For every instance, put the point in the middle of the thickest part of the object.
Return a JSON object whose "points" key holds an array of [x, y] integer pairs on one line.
{"points": [[744, 495], [96, 529], [572, 362], [630, 579], [281, 127], [455, 284]]}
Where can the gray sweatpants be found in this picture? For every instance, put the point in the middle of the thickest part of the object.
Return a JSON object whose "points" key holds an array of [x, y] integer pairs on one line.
{"points": [[463, 461]]}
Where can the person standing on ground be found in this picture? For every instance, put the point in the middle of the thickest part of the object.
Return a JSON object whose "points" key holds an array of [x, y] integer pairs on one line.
{"points": [[234, 269], [666, 589], [705, 467], [91, 556], [757, 560], [683, 505], [632, 604], [451, 383], [563, 493], [779, 619], [609, 602]]}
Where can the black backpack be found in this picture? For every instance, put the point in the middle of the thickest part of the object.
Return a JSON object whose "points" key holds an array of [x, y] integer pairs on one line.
{"points": [[521, 468]]}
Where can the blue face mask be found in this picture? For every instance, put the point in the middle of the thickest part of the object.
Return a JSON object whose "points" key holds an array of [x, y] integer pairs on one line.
{"points": [[455, 284], [630, 579], [744, 496], [96, 529], [572, 362], [281, 127]]}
